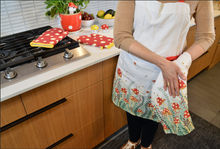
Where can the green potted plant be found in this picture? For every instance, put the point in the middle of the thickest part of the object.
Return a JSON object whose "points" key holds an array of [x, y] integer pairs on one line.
{"points": [[69, 12]]}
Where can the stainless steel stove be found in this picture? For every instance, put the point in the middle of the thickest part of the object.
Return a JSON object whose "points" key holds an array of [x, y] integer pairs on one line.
{"points": [[19, 60]]}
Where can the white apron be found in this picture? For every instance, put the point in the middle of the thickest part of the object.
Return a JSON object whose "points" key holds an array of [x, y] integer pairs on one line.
{"points": [[138, 87]]}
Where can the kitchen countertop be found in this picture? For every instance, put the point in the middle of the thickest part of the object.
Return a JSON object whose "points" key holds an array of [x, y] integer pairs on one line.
{"points": [[97, 55]]}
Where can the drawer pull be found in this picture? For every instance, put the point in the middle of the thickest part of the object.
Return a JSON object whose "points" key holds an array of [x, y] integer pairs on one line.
{"points": [[29, 116], [60, 141]]}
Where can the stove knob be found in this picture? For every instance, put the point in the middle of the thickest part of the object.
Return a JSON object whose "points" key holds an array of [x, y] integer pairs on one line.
{"points": [[9, 74], [67, 54], [41, 63]]}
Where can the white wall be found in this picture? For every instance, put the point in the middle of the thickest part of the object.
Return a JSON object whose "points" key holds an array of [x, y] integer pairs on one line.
{"points": [[20, 15]]}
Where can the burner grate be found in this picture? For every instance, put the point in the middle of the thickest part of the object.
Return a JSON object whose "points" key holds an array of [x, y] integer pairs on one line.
{"points": [[16, 50]]}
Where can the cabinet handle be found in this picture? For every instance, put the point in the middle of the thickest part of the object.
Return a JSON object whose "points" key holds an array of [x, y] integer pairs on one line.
{"points": [[60, 141], [29, 116]]}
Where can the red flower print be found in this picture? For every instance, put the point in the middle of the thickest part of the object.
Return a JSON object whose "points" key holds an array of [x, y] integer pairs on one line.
{"points": [[165, 126], [124, 90], [166, 111], [150, 105], [119, 72], [140, 111], [175, 106], [147, 91], [117, 90], [135, 90], [182, 85], [126, 100], [153, 80], [176, 121], [160, 100], [133, 99], [135, 63], [186, 114]]}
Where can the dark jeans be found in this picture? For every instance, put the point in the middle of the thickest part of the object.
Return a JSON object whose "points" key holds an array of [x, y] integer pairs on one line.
{"points": [[141, 128]]}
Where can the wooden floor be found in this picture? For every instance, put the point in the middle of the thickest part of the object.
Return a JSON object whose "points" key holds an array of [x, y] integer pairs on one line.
{"points": [[204, 95]]}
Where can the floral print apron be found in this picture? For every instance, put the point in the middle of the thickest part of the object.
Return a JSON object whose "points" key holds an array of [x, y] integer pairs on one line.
{"points": [[138, 84]]}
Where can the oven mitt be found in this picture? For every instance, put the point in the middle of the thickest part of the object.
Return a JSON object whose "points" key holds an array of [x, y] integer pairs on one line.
{"points": [[49, 38], [173, 112], [96, 40]]}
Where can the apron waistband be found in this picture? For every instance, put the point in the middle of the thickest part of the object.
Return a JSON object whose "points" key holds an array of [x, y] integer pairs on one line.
{"points": [[172, 58]]}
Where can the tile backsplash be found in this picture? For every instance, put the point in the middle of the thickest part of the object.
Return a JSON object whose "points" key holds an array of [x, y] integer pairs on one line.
{"points": [[18, 16]]}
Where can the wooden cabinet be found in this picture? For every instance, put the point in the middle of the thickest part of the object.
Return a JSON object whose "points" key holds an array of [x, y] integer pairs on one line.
{"points": [[216, 58], [58, 89], [86, 114], [86, 137], [206, 60], [11, 110], [109, 67], [216, 51], [80, 111], [115, 118]]}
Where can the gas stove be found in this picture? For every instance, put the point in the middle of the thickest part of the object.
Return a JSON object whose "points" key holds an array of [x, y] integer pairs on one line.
{"points": [[19, 60]]}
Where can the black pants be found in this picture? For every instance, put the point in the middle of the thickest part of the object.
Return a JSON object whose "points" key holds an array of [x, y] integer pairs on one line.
{"points": [[141, 128]]}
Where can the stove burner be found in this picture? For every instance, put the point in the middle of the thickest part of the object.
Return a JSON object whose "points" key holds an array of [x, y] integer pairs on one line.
{"points": [[3, 54], [16, 49]]}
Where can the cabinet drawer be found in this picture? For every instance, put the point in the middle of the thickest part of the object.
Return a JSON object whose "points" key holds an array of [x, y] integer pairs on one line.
{"points": [[109, 67], [87, 137], [58, 89], [45, 129], [11, 110]]}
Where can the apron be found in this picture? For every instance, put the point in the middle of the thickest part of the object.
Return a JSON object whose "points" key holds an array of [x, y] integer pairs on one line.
{"points": [[138, 84]]}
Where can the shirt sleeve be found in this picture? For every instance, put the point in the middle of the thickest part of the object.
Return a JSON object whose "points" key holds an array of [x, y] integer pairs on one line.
{"points": [[204, 19], [123, 25]]}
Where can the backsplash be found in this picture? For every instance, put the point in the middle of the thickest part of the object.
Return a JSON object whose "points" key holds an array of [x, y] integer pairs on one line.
{"points": [[18, 16]]}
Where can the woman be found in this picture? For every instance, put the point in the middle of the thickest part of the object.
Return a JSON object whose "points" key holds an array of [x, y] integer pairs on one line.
{"points": [[147, 85]]}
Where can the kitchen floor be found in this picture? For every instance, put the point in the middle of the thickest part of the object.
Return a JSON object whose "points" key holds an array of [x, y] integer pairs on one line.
{"points": [[204, 95]]}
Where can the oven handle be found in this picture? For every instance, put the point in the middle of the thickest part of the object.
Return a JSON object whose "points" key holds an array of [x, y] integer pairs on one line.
{"points": [[60, 141], [29, 116]]}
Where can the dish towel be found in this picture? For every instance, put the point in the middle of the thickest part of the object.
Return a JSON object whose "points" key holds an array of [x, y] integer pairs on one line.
{"points": [[96, 40], [173, 112], [49, 38]]}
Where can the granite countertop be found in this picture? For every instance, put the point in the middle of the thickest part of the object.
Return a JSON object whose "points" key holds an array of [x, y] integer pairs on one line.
{"points": [[97, 55]]}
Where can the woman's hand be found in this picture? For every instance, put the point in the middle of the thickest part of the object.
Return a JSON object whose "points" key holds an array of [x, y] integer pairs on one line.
{"points": [[171, 71]]}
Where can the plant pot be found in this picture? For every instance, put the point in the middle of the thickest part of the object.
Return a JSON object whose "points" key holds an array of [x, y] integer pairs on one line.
{"points": [[71, 22]]}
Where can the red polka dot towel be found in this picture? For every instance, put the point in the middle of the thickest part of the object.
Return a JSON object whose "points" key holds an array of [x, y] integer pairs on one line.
{"points": [[49, 38], [96, 40]]}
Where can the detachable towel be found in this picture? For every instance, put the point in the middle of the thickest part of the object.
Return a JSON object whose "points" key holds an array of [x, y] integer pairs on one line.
{"points": [[49, 38], [96, 40], [173, 112]]}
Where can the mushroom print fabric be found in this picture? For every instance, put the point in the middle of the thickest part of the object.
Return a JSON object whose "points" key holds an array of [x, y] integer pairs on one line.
{"points": [[146, 97], [96, 40], [49, 38]]}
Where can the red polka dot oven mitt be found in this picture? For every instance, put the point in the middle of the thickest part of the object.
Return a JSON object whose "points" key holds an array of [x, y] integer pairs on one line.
{"points": [[49, 38], [96, 40]]}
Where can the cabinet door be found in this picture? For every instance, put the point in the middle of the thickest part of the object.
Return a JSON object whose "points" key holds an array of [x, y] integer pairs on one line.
{"points": [[56, 90], [109, 67], [114, 120], [108, 84], [45, 129], [11, 110], [216, 58]]}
